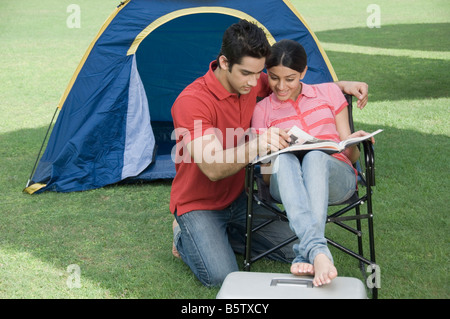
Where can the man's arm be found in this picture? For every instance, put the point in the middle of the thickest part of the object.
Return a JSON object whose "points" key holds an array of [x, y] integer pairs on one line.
{"points": [[358, 89], [216, 163]]}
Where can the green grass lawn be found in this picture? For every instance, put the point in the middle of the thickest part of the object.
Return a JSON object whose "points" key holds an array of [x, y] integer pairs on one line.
{"points": [[120, 236]]}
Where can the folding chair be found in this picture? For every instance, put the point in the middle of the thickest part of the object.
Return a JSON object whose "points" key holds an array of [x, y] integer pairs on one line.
{"points": [[258, 192]]}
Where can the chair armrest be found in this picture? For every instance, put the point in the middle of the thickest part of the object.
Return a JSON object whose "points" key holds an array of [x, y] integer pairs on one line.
{"points": [[369, 161]]}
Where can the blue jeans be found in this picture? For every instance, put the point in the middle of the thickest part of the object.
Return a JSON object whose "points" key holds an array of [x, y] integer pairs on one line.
{"points": [[208, 240], [306, 187]]}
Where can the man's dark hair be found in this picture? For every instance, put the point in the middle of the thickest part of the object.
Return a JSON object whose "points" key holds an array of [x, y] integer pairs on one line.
{"points": [[243, 39]]}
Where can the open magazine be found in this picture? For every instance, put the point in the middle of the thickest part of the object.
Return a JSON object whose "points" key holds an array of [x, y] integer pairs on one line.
{"points": [[302, 141]]}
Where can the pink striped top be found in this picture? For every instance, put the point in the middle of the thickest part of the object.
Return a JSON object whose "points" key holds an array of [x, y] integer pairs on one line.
{"points": [[314, 112]]}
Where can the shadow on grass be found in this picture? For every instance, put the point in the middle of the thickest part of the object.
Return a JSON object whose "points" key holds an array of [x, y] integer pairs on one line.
{"points": [[394, 78], [423, 37], [120, 236]]}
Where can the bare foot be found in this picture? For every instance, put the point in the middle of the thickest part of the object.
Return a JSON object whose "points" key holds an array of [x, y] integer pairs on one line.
{"points": [[302, 269], [324, 270], [174, 249]]}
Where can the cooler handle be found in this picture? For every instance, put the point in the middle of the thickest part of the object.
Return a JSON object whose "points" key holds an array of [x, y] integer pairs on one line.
{"points": [[304, 282]]}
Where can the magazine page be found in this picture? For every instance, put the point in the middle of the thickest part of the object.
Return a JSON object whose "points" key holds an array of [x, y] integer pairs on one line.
{"points": [[305, 142], [356, 140]]}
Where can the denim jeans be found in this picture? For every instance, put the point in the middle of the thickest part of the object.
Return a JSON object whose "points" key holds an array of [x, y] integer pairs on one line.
{"points": [[208, 240], [306, 186]]}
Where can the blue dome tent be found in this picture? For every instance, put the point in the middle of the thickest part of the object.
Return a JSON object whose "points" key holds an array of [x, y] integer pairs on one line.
{"points": [[114, 120]]}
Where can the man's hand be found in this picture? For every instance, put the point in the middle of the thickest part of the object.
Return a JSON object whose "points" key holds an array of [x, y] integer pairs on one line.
{"points": [[358, 89]]}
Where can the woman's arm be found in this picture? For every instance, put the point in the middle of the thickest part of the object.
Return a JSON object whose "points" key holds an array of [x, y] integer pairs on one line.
{"points": [[343, 128]]}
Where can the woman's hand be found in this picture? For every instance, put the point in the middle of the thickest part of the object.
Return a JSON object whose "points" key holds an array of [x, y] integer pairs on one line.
{"points": [[360, 134], [272, 140], [352, 152]]}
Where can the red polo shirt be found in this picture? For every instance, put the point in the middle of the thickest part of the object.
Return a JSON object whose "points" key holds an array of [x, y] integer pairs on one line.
{"points": [[203, 107]]}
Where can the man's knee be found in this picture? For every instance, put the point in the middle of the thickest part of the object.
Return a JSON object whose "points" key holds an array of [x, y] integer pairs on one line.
{"points": [[213, 277], [217, 279]]}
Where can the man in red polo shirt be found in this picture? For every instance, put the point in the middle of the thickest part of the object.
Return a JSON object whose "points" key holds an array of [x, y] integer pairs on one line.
{"points": [[212, 119]]}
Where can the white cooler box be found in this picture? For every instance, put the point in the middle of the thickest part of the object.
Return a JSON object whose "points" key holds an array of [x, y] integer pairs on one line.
{"points": [[257, 285]]}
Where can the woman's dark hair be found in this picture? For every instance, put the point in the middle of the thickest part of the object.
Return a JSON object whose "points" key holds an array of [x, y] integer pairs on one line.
{"points": [[288, 53], [243, 39]]}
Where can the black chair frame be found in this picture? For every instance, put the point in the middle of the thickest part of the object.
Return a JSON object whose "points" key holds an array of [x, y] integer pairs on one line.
{"points": [[366, 179]]}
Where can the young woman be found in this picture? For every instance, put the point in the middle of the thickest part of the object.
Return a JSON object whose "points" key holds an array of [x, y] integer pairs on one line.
{"points": [[307, 184]]}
